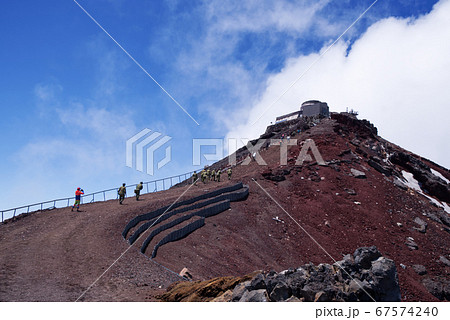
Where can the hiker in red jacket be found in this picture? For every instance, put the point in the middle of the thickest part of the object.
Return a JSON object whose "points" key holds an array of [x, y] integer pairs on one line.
{"points": [[78, 194]]}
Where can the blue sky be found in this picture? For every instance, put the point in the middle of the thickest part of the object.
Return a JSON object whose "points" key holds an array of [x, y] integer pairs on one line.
{"points": [[71, 98]]}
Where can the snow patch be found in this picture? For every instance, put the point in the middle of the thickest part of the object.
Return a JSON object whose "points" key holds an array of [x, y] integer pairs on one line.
{"points": [[414, 184], [438, 174], [410, 181], [442, 204]]}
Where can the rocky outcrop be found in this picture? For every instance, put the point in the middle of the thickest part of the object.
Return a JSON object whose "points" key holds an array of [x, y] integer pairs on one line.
{"points": [[432, 184], [363, 128], [376, 164], [364, 276]]}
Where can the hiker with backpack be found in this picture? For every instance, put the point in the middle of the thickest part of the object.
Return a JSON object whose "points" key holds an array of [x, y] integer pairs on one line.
{"points": [[122, 193], [138, 189], [78, 194]]}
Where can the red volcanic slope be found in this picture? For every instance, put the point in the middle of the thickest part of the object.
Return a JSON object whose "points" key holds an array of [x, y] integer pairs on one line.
{"points": [[56, 255]]}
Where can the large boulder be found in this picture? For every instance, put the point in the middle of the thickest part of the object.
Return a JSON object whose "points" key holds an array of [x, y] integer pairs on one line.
{"points": [[239, 291], [365, 255], [385, 280], [259, 295], [281, 292]]}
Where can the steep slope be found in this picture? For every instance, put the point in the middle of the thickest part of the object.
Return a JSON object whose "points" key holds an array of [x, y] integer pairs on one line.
{"points": [[340, 211], [56, 255]]}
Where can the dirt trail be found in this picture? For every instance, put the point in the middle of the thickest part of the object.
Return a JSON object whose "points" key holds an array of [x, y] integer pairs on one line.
{"points": [[55, 255]]}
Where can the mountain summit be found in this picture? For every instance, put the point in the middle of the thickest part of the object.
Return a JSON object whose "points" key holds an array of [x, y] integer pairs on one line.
{"points": [[309, 191]]}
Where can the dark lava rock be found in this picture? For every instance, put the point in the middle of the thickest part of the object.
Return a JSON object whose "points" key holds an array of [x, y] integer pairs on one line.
{"points": [[257, 283], [380, 168], [367, 277], [239, 291], [438, 287], [281, 292], [422, 173], [411, 244], [444, 260], [365, 255], [274, 176], [385, 280], [422, 225], [419, 269], [255, 296]]}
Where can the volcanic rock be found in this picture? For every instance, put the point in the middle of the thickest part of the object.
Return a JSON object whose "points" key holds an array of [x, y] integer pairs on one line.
{"points": [[239, 290], [433, 184], [422, 225], [358, 174], [380, 168], [364, 256], [411, 244], [419, 269], [281, 292], [444, 260], [255, 296], [438, 287]]}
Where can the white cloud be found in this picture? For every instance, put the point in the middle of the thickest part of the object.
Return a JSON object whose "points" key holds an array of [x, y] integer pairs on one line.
{"points": [[47, 92], [91, 153], [212, 60], [396, 75], [257, 16], [99, 124]]}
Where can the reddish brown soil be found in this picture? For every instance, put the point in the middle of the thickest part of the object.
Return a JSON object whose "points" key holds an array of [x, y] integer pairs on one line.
{"points": [[56, 255]]}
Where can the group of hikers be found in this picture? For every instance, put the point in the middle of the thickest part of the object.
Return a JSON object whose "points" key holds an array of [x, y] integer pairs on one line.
{"points": [[206, 175], [210, 175], [123, 191]]}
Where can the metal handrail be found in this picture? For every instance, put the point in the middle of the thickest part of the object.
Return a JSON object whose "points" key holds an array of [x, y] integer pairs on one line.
{"points": [[42, 205]]}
